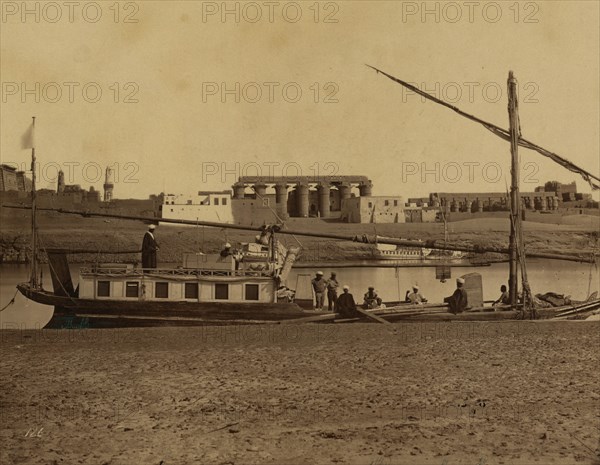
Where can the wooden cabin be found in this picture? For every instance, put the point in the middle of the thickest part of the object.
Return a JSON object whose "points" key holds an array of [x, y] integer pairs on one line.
{"points": [[202, 278]]}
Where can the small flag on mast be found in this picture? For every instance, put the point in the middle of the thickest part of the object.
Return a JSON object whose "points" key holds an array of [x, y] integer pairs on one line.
{"points": [[28, 140]]}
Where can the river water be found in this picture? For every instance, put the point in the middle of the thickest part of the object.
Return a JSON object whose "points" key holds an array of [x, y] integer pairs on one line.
{"points": [[575, 279]]}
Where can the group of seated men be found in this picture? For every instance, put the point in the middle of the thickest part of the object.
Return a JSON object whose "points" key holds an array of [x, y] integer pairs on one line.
{"points": [[346, 305]]}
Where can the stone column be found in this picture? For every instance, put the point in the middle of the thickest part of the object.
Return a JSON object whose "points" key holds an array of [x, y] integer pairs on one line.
{"points": [[324, 206], [260, 189], [281, 198], [238, 190], [480, 206], [365, 189], [344, 189], [302, 200]]}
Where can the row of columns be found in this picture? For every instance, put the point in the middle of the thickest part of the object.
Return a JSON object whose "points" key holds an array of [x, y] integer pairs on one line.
{"points": [[541, 203], [302, 195]]}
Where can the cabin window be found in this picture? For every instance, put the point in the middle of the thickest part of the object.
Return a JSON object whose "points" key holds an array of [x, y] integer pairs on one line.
{"points": [[224, 201], [370, 205], [191, 290], [132, 289], [103, 289], [216, 199], [161, 290], [387, 203], [251, 291], [221, 291], [395, 203]]}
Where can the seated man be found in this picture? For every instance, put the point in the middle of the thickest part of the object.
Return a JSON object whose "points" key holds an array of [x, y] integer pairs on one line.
{"points": [[345, 305], [415, 297], [372, 300], [458, 301], [504, 298]]}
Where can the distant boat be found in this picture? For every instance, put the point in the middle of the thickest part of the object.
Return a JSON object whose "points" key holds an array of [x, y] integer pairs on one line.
{"points": [[397, 252], [446, 254]]}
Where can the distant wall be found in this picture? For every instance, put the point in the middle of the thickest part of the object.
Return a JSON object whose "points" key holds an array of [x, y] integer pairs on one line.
{"points": [[80, 201], [374, 210], [254, 212], [215, 213]]}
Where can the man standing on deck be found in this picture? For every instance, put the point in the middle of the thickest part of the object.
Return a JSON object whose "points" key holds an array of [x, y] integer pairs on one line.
{"points": [[332, 287], [458, 301], [149, 248], [319, 286]]}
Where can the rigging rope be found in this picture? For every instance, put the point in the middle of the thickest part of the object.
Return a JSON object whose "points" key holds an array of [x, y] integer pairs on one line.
{"points": [[10, 302]]}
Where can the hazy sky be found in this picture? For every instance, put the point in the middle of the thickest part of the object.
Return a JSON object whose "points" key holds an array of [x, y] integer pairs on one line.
{"points": [[167, 117]]}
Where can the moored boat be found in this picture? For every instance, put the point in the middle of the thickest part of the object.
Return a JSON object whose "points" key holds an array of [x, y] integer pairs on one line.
{"points": [[248, 286]]}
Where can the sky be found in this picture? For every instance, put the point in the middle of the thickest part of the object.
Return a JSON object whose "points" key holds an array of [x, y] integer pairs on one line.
{"points": [[187, 96]]}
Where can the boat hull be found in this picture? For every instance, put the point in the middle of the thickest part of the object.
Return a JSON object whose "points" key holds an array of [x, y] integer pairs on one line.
{"points": [[80, 313], [71, 312]]}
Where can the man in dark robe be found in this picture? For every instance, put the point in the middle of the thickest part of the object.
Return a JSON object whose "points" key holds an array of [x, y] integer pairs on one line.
{"points": [[458, 301], [226, 252], [149, 248], [345, 305]]}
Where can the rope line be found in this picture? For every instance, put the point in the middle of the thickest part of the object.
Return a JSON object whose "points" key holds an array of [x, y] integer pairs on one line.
{"points": [[10, 302]]}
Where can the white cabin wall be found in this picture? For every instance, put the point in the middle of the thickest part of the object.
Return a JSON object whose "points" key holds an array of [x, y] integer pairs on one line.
{"points": [[236, 291], [266, 292], [117, 289], [207, 291], [86, 288], [176, 291]]}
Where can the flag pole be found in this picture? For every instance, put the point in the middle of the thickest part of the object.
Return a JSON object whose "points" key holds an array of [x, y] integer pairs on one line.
{"points": [[34, 246]]}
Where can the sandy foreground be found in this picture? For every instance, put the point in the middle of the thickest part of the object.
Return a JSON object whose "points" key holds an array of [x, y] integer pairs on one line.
{"points": [[419, 393]]}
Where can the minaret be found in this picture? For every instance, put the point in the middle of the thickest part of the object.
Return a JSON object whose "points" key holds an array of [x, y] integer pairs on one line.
{"points": [[60, 185], [108, 185]]}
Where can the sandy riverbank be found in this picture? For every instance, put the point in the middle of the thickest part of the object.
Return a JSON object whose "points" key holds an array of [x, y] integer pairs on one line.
{"points": [[436, 393]]}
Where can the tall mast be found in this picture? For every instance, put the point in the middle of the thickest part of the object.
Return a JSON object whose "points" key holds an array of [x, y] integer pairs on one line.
{"points": [[515, 201], [34, 247]]}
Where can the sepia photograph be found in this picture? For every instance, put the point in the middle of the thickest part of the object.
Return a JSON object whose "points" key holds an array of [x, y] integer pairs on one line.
{"points": [[308, 232]]}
